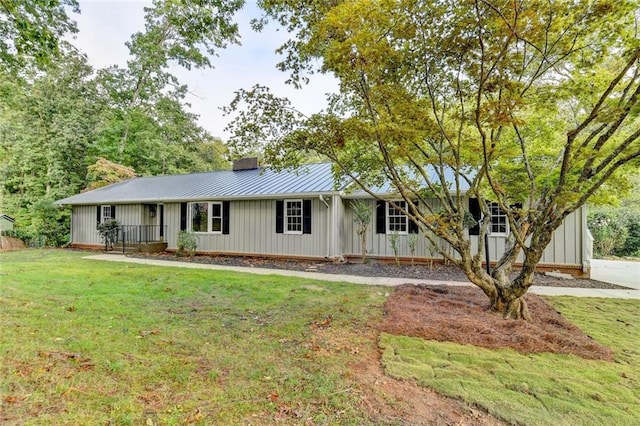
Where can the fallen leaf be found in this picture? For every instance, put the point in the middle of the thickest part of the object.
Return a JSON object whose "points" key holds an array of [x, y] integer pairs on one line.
{"points": [[195, 417], [10, 399]]}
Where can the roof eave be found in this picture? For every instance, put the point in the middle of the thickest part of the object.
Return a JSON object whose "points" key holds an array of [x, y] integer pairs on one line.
{"points": [[183, 200]]}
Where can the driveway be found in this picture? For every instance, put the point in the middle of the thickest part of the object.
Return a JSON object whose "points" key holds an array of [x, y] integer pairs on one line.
{"points": [[619, 272]]}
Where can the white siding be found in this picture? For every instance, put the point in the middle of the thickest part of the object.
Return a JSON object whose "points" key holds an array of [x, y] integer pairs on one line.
{"points": [[377, 244], [83, 225], [565, 247], [252, 230], [84, 221]]}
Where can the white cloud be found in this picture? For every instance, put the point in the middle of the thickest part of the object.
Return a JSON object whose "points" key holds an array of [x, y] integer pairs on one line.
{"points": [[104, 27]]}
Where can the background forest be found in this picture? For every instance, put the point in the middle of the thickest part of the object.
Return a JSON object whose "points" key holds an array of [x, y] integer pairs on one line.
{"points": [[66, 127]]}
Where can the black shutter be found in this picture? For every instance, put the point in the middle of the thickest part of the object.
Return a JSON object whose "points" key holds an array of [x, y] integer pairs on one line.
{"points": [[183, 216], [113, 212], [306, 216], [98, 215], [381, 217], [225, 217], [279, 216], [474, 209]]}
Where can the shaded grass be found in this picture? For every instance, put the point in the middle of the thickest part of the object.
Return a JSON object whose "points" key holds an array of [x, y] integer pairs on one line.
{"points": [[86, 342], [537, 389]]}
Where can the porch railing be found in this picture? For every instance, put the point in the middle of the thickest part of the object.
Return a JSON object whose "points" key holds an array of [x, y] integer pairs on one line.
{"points": [[129, 235], [138, 234]]}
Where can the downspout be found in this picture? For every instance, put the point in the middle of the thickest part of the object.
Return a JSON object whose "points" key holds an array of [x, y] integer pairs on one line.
{"points": [[329, 233]]}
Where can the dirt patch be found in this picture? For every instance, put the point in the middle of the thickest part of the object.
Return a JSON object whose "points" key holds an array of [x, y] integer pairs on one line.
{"points": [[10, 243], [403, 402], [461, 315]]}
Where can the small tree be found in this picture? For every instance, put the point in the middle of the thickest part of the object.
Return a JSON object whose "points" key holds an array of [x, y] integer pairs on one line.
{"points": [[108, 231], [394, 240], [362, 213], [412, 242], [187, 243]]}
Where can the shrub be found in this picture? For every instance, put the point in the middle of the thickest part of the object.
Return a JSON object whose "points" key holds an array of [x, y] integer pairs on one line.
{"points": [[108, 231], [615, 231], [49, 224], [187, 243]]}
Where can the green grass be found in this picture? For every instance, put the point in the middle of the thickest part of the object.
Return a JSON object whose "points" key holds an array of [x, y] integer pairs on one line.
{"points": [[537, 389], [87, 342]]}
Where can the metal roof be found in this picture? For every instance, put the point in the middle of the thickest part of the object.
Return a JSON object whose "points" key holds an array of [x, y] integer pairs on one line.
{"points": [[7, 218], [387, 188], [308, 180], [311, 179]]}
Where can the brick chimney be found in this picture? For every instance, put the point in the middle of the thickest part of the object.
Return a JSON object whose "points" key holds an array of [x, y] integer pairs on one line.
{"points": [[249, 163]]}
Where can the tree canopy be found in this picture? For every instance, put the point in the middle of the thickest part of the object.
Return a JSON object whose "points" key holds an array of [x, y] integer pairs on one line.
{"points": [[30, 30], [529, 104], [65, 127]]}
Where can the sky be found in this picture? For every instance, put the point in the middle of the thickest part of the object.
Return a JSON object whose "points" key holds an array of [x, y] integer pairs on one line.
{"points": [[105, 25]]}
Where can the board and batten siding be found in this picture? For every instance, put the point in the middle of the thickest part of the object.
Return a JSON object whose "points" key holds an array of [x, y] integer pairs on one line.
{"points": [[252, 230], [377, 244], [564, 248], [83, 224]]}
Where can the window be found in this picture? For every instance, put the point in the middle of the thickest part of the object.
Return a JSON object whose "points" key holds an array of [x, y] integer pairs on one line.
{"points": [[106, 213], [390, 219], [293, 216], [199, 217], [499, 222], [396, 220], [206, 217]]}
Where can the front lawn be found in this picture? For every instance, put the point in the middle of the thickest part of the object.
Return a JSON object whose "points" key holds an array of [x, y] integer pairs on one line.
{"points": [[87, 342]]}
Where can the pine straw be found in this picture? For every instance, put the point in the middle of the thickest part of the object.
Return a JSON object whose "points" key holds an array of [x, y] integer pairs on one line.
{"points": [[461, 315]]}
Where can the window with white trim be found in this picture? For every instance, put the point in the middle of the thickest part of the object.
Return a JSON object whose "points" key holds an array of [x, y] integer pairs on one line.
{"points": [[396, 220], [499, 221], [293, 216], [106, 213], [205, 217]]}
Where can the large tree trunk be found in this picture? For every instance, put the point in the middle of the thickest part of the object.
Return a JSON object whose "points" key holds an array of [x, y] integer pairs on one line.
{"points": [[510, 304]]}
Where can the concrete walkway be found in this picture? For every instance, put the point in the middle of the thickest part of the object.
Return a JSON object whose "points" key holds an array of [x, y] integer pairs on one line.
{"points": [[381, 281]]}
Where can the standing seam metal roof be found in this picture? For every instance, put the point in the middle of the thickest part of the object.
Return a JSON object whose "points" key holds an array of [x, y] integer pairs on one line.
{"points": [[255, 183]]}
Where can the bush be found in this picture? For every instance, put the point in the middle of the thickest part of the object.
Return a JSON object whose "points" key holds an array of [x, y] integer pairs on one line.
{"points": [[108, 231], [49, 224], [187, 243], [616, 231], [631, 246]]}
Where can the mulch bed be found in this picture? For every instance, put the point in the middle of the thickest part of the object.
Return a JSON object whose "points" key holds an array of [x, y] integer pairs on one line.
{"points": [[461, 315], [438, 272]]}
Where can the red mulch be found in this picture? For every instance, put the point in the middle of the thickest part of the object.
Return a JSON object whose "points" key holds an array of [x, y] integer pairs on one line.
{"points": [[461, 315]]}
